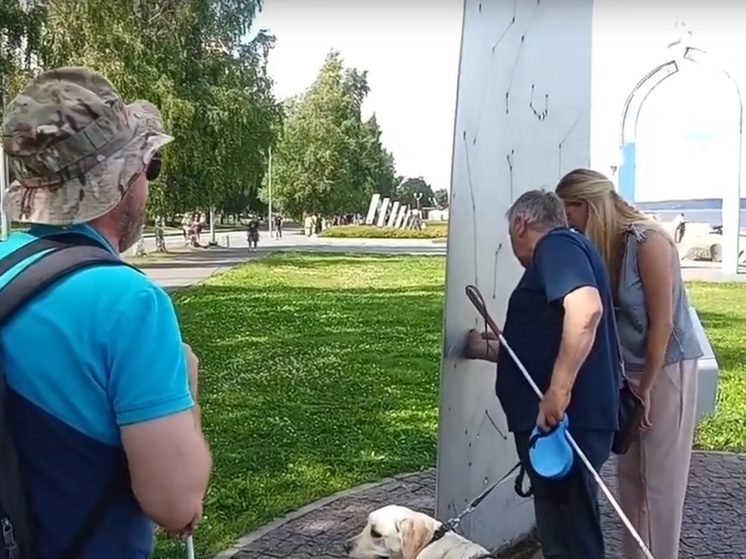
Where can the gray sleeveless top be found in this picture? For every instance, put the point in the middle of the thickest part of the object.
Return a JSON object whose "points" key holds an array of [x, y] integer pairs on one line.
{"points": [[632, 318]]}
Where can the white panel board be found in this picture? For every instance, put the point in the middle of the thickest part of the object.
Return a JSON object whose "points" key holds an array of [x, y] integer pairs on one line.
{"points": [[371, 216], [393, 214], [522, 120], [382, 212]]}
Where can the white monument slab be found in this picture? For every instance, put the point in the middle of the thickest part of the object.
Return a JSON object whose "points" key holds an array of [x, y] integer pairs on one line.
{"points": [[382, 212], [372, 208], [392, 214], [402, 214]]}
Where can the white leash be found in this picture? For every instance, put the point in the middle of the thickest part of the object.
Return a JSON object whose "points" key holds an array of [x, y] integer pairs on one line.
{"points": [[190, 547], [581, 455]]}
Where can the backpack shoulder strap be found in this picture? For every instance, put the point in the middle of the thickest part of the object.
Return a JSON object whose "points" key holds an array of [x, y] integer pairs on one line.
{"points": [[62, 260]]}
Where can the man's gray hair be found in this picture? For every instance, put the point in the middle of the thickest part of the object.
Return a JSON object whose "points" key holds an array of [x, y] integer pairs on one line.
{"points": [[538, 208]]}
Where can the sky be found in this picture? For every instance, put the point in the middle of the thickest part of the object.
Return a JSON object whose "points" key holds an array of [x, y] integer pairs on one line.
{"points": [[412, 54]]}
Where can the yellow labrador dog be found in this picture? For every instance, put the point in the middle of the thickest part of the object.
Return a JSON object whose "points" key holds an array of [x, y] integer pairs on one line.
{"points": [[395, 532]]}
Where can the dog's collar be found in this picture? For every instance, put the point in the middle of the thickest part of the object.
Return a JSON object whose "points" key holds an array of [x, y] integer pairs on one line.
{"points": [[442, 530]]}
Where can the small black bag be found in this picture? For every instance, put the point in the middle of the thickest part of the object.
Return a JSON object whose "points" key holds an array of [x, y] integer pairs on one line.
{"points": [[631, 412], [631, 408]]}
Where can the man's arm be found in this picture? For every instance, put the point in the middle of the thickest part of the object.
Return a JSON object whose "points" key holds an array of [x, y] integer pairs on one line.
{"points": [[169, 461], [567, 277]]}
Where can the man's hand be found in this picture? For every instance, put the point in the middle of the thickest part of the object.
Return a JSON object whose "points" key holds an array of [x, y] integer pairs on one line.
{"points": [[192, 369], [481, 345], [552, 408], [187, 531]]}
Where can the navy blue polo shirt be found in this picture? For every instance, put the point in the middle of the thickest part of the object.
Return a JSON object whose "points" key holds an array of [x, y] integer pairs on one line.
{"points": [[564, 260], [99, 350]]}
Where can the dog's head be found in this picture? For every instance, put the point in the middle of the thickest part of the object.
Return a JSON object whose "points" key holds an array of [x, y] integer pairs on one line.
{"points": [[392, 532]]}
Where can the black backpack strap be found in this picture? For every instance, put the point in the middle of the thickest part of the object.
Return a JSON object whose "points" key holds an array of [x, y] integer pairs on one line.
{"points": [[65, 254], [47, 270]]}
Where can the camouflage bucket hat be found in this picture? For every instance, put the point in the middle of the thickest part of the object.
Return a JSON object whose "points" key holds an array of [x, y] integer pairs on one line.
{"points": [[74, 147]]}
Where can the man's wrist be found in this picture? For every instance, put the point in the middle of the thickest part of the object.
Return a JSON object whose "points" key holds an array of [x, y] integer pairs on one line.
{"points": [[560, 383]]}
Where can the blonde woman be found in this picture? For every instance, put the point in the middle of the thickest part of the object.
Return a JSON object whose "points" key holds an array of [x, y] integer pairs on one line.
{"points": [[660, 351]]}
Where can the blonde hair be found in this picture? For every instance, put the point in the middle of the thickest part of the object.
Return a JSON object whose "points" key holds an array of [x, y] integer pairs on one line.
{"points": [[609, 215]]}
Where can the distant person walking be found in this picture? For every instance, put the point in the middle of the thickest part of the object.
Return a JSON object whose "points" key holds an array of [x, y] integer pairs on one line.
{"points": [[252, 233], [278, 225], [679, 228]]}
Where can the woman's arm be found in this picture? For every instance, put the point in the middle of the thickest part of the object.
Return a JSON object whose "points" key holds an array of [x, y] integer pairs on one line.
{"points": [[656, 275]]}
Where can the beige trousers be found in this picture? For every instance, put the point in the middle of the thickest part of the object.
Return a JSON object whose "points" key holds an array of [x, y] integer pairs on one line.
{"points": [[654, 472]]}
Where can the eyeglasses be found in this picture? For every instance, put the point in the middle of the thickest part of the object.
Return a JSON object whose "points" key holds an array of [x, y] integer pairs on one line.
{"points": [[154, 168]]}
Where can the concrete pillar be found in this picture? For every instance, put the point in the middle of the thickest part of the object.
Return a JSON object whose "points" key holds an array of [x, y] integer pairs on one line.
{"points": [[522, 120]]}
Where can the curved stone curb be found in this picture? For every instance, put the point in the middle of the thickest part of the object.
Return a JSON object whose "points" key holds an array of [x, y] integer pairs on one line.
{"points": [[251, 537]]}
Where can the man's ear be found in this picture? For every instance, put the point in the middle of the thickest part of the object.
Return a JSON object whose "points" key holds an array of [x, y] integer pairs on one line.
{"points": [[415, 535]]}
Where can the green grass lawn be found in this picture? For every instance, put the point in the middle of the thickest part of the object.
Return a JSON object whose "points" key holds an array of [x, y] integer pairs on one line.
{"points": [[722, 308], [320, 372]]}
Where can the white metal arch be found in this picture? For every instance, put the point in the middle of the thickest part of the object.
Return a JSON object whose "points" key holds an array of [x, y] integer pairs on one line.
{"points": [[731, 212]]}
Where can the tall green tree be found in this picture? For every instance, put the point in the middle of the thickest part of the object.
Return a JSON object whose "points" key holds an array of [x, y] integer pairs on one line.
{"points": [[414, 191], [193, 60], [20, 36], [378, 168], [328, 160]]}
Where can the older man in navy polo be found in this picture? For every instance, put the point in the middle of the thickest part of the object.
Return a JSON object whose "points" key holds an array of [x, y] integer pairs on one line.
{"points": [[560, 323]]}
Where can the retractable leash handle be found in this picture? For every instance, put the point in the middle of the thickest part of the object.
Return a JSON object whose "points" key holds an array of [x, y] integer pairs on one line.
{"points": [[472, 292]]}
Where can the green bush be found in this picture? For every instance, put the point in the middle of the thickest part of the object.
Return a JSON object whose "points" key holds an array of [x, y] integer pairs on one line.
{"points": [[434, 231]]}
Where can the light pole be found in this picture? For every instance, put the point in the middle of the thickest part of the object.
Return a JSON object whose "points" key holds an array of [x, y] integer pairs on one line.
{"points": [[269, 192]]}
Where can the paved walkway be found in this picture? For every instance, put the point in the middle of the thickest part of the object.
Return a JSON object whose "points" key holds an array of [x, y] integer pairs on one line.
{"points": [[716, 501], [713, 524], [189, 266]]}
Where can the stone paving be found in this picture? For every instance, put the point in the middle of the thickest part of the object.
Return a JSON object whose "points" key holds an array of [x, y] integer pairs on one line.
{"points": [[713, 523]]}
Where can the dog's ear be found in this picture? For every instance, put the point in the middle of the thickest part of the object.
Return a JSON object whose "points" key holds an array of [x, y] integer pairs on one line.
{"points": [[415, 535]]}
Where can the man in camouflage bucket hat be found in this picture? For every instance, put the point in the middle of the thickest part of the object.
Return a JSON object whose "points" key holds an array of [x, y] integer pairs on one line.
{"points": [[114, 389], [76, 149]]}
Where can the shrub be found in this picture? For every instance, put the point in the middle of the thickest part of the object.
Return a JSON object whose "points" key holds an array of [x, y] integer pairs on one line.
{"points": [[435, 231]]}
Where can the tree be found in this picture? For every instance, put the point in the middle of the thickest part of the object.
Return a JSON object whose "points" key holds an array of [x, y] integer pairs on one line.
{"points": [[415, 192], [441, 198], [328, 160], [378, 169], [191, 58], [20, 33]]}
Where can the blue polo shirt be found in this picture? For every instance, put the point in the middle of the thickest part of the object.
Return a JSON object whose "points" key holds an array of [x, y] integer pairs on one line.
{"points": [[563, 261], [99, 350]]}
